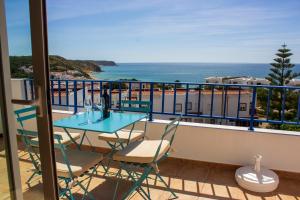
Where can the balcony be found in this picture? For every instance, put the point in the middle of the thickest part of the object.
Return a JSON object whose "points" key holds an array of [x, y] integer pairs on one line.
{"points": [[189, 179], [205, 156]]}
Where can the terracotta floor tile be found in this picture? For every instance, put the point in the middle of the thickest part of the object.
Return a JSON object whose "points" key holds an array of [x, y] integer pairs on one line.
{"points": [[188, 179]]}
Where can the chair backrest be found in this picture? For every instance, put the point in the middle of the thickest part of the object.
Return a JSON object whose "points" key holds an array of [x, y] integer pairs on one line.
{"points": [[135, 106], [169, 131], [24, 114]]}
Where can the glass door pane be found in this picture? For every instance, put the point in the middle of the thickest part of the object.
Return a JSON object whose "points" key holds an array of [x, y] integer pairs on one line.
{"points": [[22, 90]]}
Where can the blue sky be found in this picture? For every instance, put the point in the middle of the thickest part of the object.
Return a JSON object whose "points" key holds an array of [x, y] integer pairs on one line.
{"points": [[162, 30]]}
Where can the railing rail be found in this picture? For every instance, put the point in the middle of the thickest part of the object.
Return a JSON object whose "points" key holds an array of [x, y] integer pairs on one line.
{"points": [[212, 101]]}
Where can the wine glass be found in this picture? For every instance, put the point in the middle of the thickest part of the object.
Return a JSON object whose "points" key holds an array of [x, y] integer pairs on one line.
{"points": [[99, 104], [88, 108]]}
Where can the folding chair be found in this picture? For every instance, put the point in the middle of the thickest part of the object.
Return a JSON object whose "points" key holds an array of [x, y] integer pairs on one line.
{"points": [[124, 136], [29, 113], [71, 164], [145, 155]]}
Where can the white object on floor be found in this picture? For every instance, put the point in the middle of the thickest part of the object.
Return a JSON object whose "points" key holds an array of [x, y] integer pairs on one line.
{"points": [[257, 179]]}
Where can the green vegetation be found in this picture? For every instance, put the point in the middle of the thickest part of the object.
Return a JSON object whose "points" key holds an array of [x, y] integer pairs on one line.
{"points": [[281, 70], [18, 61], [281, 74], [57, 64]]}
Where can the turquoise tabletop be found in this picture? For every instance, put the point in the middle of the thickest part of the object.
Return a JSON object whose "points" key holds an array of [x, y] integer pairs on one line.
{"points": [[115, 122]]}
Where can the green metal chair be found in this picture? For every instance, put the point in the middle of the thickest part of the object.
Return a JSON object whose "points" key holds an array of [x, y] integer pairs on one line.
{"points": [[145, 156], [23, 115], [124, 136], [71, 164], [29, 113]]}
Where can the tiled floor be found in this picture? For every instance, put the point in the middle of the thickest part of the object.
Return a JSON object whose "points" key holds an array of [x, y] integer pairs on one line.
{"points": [[190, 180]]}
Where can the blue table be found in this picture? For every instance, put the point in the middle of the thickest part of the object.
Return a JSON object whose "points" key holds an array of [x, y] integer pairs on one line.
{"points": [[116, 121]]}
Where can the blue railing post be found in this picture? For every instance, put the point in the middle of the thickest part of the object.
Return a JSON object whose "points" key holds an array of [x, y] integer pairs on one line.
{"points": [[269, 103], [31, 89], [83, 91], [225, 102], [212, 100], [75, 96], [100, 89], [151, 101], [199, 99], [239, 103], [283, 105], [298, 113], [120, 95], [67, 92], [163, 99], [140, 91], [129, 91], [52, 91], [251, 127], [186, 99], [25, 89], [59, 92], [110, 93], [92, 91], [174, 100]]}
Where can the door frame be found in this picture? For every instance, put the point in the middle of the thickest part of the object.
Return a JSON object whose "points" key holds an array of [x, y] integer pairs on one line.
{"points": [[41, 72], [7, 117]]}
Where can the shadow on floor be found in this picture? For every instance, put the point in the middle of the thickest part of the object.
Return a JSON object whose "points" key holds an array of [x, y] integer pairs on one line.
{"points": [[189, 180]]}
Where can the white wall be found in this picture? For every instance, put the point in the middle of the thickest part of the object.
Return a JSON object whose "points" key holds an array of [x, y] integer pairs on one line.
{"points": [[228, 145], [17, 86]]}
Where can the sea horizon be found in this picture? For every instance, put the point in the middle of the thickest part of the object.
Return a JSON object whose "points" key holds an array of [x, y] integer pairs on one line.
{"points": [[182, 71]]}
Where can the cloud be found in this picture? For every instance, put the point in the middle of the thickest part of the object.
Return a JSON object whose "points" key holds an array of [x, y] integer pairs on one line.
{"points": [[165, 24]]}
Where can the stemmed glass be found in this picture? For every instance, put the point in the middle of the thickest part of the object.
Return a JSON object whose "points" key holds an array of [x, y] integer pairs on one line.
{"points": [[99, 104], [88, 108]]}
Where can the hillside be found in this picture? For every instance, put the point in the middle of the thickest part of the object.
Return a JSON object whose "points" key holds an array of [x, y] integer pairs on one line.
{"points": [[20, 66], [102, 62]]}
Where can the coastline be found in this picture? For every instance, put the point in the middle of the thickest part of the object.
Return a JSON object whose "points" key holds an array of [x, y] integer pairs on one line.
{"points": [[92, 75]]}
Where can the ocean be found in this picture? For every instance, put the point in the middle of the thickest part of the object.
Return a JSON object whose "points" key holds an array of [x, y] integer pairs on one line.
{"points": [[184, 72]]}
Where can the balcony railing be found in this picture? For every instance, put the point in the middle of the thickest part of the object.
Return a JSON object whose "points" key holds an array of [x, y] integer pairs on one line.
{"points": [[71, 93]]}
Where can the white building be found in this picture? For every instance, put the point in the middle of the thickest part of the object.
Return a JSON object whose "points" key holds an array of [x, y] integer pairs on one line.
{"points": [[192, 105], [294, 82], [214, 79], [242, 80]]}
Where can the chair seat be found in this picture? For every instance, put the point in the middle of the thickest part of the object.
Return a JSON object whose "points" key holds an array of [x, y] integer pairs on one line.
{"points": [[142, 151], [123, 136], [65, 137], [80, 162]]}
